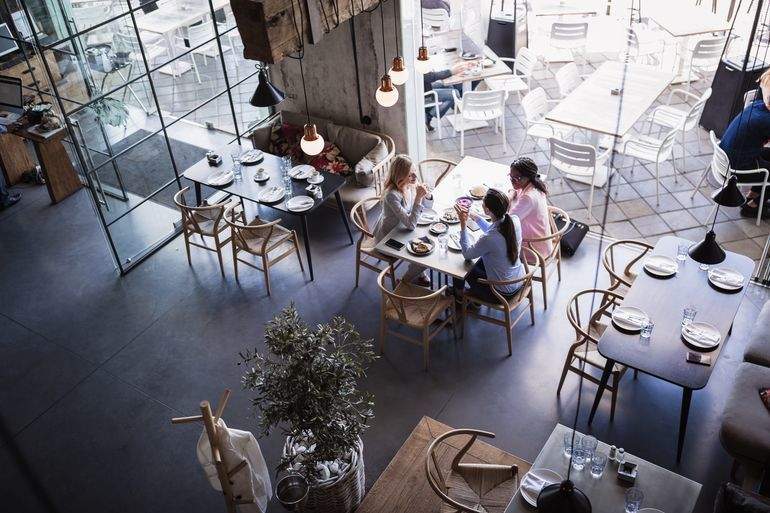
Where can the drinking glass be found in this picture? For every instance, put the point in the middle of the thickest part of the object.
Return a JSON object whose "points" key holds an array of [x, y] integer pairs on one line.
{"points": [[634, 498], [287, 185], [568, 443], [443, 242], [646, 332], [578, 458], [285, 164], [681, 252], [688, 315], [598, 462], [589, 444]]}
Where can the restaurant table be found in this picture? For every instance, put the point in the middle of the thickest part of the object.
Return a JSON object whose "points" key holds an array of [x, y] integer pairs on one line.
{"points": [[403, 486], [663, 300], [469, 171], [248, 189], [663, 489], [592, 106]]}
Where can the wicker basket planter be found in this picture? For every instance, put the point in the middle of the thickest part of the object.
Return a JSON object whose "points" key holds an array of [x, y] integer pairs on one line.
{"points": [[338, 494]]}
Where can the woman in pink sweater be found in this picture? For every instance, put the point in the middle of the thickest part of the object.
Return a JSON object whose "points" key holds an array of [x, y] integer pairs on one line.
{"points": [[529, 202]]}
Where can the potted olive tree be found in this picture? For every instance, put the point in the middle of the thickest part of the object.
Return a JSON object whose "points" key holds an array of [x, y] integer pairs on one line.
{"points": [[307, 386]]}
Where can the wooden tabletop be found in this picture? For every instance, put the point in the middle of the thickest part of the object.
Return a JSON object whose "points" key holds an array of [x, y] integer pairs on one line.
{"points": [[403, 486], [446, 60], [469, 171], [247, 188], [682, 19], [562, 7], [592, 106], [662, 489], [663, 301]]}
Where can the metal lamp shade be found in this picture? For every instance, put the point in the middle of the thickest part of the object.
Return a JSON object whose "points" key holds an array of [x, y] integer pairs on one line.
{"points": [[266, 94], [562, 498], [708, 251], [729, 195]]}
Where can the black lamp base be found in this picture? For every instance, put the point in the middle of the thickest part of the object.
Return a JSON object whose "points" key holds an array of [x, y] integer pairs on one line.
{"points": [[708, 251], [562, 498]]}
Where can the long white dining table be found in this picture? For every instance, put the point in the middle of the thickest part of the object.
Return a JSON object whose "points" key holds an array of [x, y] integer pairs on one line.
{"points": [[469, 171]]}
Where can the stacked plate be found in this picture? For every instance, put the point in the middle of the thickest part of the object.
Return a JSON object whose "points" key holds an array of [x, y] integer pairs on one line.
{"points": [[534, 481], [301, 172], [221, 179], [629, 318], [701, 335], [428, 216], [272, 194], [661, 266], [726, 279], [251, 157], [300, 203]]}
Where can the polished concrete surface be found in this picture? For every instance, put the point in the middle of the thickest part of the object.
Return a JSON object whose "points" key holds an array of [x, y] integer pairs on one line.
{"points": [[94, 366]]}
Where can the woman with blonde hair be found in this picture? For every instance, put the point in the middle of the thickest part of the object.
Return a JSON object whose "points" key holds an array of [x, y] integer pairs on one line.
{"points": [[402, 203]]}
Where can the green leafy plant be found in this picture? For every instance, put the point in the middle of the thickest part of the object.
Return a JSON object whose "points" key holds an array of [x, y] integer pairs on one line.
{"points": [[308, 385], [111, 111]]}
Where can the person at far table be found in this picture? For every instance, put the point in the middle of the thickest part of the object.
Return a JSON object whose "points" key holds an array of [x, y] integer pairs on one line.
{"points": [[744, 143], [432, 81], [497, 248], [402, 203], [529, 202]]}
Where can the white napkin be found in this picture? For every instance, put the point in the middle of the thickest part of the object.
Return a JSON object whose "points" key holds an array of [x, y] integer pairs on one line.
{"points": [[221, 178], [533, 484], [302, 202], [630, 318], [726, 278], [661, 266], [699, 334]]}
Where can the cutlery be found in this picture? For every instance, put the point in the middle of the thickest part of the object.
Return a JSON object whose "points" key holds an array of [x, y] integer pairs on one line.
{"points": [[637, 319], [700, 334]]}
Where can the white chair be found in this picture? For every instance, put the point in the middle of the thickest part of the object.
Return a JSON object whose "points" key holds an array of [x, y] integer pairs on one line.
{"points": [[480, 106], [127, 41], [435, 20], [86, 17], [579, 162], [568, 78], [684, 120], [535, 105], [431, 102], [520, 78], [704, 57], [634, 50], [570, 36], [202, 40], [720, 169], [749, 97], [650, 149]]}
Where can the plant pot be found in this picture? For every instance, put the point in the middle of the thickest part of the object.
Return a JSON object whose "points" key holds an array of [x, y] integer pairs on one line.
{"points": [[338, 494]]}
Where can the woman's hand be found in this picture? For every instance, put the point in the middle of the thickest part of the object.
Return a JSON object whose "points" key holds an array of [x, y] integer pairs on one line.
{"points": [[421, 192], [462, 214]]}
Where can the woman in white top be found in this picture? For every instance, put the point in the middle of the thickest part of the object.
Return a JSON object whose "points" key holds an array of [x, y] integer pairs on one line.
{"points": [[529, 202], [402, 203]]}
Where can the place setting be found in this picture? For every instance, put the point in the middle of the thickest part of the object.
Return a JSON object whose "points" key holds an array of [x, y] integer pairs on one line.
{"points": [[251, 157], [273, 194], [261, 175], [302, 172], [700, 336], [428, 216], [300, 203], [421, 246], [221, 179], [660, 266], [726, 280], [533, 483]]}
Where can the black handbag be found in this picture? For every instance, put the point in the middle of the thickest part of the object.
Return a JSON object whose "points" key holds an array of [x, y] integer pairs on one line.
{"points": [[574, 235]]}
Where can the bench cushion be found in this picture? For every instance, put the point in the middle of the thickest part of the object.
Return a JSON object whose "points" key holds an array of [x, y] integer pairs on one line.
{"points": [[745, 431], [758, 348]]}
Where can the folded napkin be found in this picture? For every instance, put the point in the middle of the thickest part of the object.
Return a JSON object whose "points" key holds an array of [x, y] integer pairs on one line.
{"points": [[661, 267], [629, 317], [533, 484], [699, 334], [221, 178], [726, 278]]}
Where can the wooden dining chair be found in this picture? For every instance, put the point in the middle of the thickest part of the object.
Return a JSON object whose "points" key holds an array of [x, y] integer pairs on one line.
{"points": [[260, 238], [205, 221], [433, 171], [415, 307], [547, 262], [366, 254], [506, 305], [589, 326], [469, 487], [620, 260]]}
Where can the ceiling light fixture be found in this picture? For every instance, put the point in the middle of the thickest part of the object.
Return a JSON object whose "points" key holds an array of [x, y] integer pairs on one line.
{"points": [[311, 143], [386, 94], [422, 64], [266, 94], [398, 72]]}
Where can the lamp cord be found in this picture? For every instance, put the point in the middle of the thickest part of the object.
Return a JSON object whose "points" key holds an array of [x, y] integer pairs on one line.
{"points": [[395, 26], [422, 26], [301, 35], [384, 51]]}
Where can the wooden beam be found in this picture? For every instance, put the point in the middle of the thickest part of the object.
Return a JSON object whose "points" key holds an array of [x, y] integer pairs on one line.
{"points": [[268, 31]]}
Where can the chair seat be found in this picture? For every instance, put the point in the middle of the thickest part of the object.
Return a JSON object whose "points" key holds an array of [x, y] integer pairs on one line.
{"points": [[667, 116], [570, 169], [745, 430], [512, 302], [419, 314], [487, 490], [643, 149], [255, 240], [480, 115], [510, 83], [206, 224], [541, 129]]}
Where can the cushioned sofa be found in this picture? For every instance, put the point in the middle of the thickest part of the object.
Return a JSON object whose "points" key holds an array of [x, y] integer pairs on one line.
{"points": [[366, 153]]}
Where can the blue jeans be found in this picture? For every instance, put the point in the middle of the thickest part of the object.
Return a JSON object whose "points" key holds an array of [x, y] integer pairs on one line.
{"points": [[445, 103], [479, 290]]}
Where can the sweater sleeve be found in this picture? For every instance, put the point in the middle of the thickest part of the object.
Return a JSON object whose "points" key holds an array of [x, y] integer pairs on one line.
{"points": [[476, 249], [407, 218]]}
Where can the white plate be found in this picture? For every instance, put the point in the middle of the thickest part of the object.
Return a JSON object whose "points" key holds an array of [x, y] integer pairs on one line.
{"points": [[300, 203], [252, 157], [316, 179], [661, 265], [428, 216], [717, 274], [649, 510], [453, 242], [220, 179], [470, 193], [622, 311], [703, 327], [548, 477], [301, 172], [409, 249], [438, 228], [453, 220], [272, 195]]}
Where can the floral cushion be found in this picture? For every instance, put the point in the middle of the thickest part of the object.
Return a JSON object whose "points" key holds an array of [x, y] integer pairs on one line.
{"points": [[331, 160], [284, 140]]}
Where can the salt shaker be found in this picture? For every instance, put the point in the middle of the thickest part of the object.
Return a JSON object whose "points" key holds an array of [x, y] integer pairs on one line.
{"points": [[611, 456], [621, 457]]}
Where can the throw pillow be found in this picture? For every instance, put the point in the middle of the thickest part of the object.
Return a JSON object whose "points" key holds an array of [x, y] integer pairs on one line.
{"points": [[353, 143], [260, 136], [364, 167], [331, 160], [284, 140], [764, 393]]}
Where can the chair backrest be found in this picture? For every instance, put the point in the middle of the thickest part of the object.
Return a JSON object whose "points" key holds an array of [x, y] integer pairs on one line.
{"points": [[567, 78], [88, 16], [359, 218], [189, 219], [480, 101], [667, 145], [568, 34], [535, 104], [127, 41], [693, 116], [555, 235], [620, 259], [749, 97], [436, 19], [199, 34], [525, 63], [425, 305], [720, 162], [706, 53], [433, 171], [241, 231], [586, 309], [580, 159]]}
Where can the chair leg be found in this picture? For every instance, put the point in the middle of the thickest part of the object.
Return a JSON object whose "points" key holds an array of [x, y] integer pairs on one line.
{"points": [[508, 334], [761, 205], [657, 181], [358, 267], [462, 135], [505, 140], [531, 308], [545, 288], [636, 373], [266, 267], [218, 247], [299, 257], [700, 182], [187, 246], [564, 371], [235, 262], [425, 348], [392, 276]]}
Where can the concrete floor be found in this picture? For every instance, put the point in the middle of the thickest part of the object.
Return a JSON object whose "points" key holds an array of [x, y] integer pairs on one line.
{"points": [[96, 365]]}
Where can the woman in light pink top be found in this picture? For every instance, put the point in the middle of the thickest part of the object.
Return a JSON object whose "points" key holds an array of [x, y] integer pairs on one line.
{"points": [[529, 202]]}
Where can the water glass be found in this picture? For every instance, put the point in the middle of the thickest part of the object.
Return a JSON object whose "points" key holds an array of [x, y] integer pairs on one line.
{"points": [[578, 458], [589, 444], [287, 185], [634, 498], [598, 462], [568, 442], [688, 315], [646, 332], [443, 242], [681, 252], [285, 164], [237, 170]]}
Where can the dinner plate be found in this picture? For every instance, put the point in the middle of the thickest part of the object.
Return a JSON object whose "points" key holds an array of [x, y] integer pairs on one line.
{"points": [[661, 266], [428, 216], [220, 179], [438, 228], [252, 157], [726, 278], [649, 510], [316, 179], [272, 194], [301, 172], [531, 483], [453, 242], [300, 203], [450, 216], [625, 318], [415, 253], [709, 340]]}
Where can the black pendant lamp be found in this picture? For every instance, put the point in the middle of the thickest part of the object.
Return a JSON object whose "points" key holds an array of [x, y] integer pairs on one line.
{"points": [[729, 195], [266, 94], [563, 498], [708, 251]]}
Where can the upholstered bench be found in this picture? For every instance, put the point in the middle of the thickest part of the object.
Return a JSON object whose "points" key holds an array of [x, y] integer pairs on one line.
{"points": [[745, 431], [758, 348]]}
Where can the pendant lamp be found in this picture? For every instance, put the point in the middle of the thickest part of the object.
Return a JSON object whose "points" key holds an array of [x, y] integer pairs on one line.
{"points": [[311, 143], [266, 94], [708, 251], [398, 72], [386, 95], [562, 498], [422, 64], [729, 195]]}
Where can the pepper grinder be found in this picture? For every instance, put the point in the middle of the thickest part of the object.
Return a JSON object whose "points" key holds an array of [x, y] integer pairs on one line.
{"points": [[612, 455], [621, 456]]}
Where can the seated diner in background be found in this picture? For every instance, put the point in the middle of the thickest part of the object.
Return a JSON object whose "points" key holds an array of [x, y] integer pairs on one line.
{"points": [[744, 143], [497, 248], [432, 81], [529, 202], [402, 204]]}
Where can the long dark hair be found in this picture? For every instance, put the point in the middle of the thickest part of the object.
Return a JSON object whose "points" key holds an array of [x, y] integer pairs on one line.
{"points": [[528, 169], [497, 203]]}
